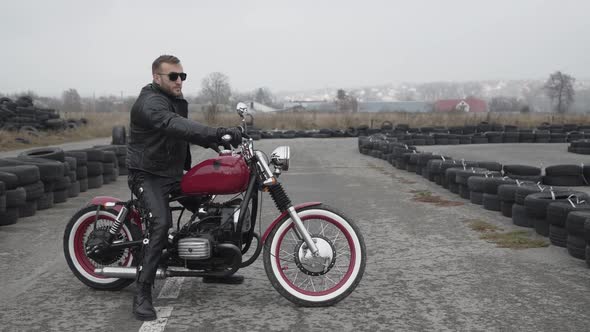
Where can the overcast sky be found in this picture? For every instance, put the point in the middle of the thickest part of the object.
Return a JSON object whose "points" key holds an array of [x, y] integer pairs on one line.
{"points": [[107, 47]]}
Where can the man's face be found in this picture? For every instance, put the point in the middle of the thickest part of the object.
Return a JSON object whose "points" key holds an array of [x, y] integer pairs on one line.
{"points": [[161, 77]]}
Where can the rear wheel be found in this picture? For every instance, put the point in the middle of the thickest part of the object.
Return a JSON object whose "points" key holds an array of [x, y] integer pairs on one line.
{"points": [[315, 281], [85, 227]]}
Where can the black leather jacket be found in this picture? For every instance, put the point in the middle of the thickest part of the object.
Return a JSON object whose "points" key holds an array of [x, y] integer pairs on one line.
{"points": [[160, 133]]}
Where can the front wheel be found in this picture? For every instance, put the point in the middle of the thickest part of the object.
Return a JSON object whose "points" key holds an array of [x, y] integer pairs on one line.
{"points": [[315, 281], [84, 227]]}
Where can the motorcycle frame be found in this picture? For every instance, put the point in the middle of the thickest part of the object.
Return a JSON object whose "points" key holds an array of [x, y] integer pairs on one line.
{"points": [[260, 177]]}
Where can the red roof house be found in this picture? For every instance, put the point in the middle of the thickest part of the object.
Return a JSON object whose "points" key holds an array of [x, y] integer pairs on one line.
{"points": [[466, 105]]}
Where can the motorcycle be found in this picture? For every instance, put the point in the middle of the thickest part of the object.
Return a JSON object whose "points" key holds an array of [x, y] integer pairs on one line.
{"points": [[313, 254]]}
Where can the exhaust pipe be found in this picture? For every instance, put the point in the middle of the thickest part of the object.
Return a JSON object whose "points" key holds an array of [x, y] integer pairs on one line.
{"points": [[125, 272], [225, 249]]}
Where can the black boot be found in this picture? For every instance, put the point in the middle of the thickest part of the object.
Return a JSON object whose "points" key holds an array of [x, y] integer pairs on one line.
{"points": [[142, 302], [234, 279]]}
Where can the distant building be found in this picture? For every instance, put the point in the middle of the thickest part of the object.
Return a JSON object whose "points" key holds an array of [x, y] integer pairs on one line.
{"points": [[256, 107], [314, 105], [363, 106], [473, 105], [395, 106]]}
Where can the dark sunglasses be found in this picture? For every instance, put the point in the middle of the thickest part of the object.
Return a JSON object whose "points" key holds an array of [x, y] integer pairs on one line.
{"points": [[174, 76]]}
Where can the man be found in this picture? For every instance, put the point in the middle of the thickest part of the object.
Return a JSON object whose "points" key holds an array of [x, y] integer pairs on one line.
{"points": [[157, 154]]}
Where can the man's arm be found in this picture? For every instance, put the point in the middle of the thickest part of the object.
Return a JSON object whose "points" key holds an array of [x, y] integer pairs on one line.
{"points": [[155, 114]]}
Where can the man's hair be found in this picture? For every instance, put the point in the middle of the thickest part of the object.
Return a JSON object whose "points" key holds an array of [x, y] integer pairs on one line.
{"points": [[164, 58]]}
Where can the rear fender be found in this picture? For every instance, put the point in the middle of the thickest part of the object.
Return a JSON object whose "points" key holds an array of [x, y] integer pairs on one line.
{"points": [[276, 221], [103, 200]]}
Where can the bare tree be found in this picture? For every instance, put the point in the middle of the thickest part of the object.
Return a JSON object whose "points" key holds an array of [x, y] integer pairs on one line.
{"points": [[505, 104], [263, 96], [560, 89], [71, 101], [215, 90], [346, 102]]}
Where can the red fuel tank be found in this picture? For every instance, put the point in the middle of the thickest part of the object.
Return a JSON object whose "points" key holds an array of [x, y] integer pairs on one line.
{"points": [[217, 176]]}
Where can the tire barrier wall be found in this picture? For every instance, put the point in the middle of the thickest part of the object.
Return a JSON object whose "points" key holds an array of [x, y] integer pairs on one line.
{"points": [[37, 179], [520, 192]]}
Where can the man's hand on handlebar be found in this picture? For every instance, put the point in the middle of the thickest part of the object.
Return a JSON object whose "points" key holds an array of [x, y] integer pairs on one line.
{"points": [[234, 136]]}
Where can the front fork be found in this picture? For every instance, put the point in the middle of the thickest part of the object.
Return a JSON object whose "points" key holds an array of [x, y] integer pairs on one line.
{"points": [[283, 203], [302, 231]]}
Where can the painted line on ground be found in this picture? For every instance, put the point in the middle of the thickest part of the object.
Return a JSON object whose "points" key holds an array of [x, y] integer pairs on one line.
{"points": [[159, 324], [171, 288]]}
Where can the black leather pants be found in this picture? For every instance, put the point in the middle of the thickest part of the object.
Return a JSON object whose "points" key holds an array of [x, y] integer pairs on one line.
{"points": [[153, 193]]}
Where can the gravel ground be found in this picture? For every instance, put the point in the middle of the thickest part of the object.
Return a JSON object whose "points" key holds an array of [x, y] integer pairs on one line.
{"points": [[426, 269]]}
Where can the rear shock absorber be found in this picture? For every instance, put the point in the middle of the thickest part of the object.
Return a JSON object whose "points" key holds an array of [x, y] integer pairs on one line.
{"points": [[279, 196], [116, 226]]}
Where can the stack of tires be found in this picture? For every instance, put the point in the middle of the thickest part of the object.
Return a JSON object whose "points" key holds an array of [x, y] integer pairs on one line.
{"points": [[94, 167], [565, 175], [536, 206], [65, 186], [81, 168], [581, 146], [577, 226], [22, 190], [557, 217], [111, 156]]}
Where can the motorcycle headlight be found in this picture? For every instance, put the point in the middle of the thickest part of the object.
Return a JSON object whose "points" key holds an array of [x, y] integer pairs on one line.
{"points": [[280, 157]]}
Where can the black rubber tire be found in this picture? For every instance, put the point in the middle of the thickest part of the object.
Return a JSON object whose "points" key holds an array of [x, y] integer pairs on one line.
{"points": [[454, 188], [576, 246], [83, 185], [3, 203], [72, 162], [491, 202], [512, 170], [46, 201], [119, 135], [95, 182], [490, 165], [74, 189], [81, 172], [9, 217], [476, 197], [50, 170], [464, 191], [132, 229], [575, 224], [506, 208], [94, 168], [491, 185], [536, 204], [60, 196], [16, 197], [81, 157], [26, 174], [557, 236], [62, 184], [563, 170], [520, 217], [565, 180], [52, 153], [558, 212], [93, 154], [523, 191], [268, 256], [34, 190], [10, 181], [476, 183], [29, 209]]}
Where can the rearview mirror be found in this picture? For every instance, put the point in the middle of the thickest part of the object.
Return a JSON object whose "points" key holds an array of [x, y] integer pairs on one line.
{"points": [[242, 109]]}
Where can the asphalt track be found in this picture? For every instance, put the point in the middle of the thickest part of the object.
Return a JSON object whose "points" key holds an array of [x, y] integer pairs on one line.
{"points": [[426, 269]]}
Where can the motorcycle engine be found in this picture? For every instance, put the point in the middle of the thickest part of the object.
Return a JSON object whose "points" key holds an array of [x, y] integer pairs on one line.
{"points": [[215, 225], [194, 248]]}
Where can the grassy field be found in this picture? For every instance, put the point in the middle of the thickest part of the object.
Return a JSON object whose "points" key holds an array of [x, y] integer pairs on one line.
{"points": [[101, 124]]}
